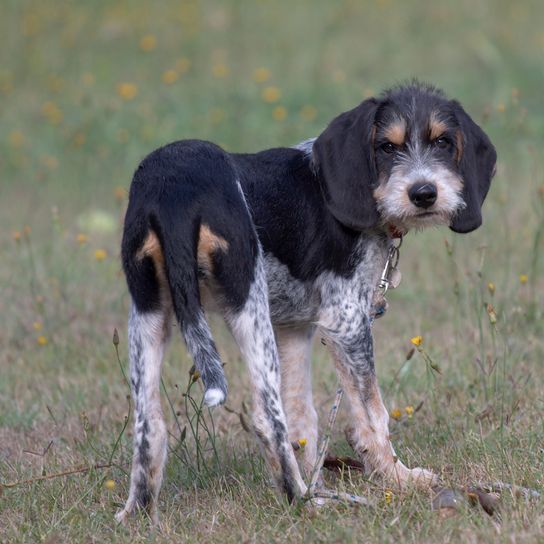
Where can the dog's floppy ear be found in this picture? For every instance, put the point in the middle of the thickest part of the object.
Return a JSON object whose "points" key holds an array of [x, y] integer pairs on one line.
{"points": [[477, 159], [344, 159]]}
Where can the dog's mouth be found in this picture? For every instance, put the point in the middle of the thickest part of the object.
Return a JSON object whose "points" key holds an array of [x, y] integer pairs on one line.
{"points": [[426, 214]]}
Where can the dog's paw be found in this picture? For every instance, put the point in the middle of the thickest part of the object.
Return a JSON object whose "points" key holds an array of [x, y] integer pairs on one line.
{"points": [[419, 477]]}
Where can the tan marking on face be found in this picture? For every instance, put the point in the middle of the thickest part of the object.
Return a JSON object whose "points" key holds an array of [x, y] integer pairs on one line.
{"points": [[459, 142], [437, 127], [208, 244], [152, 248], [396, 132]]}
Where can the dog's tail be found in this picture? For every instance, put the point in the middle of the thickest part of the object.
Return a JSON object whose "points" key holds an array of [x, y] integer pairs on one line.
{"points": [[178, 260], [181, 268]]}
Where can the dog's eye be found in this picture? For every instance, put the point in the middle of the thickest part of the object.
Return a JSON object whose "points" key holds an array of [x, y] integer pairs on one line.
{"points": [[388, 147], [441, 142]]}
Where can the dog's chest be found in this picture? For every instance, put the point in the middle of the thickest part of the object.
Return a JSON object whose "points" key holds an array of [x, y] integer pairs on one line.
{"points": [[291, 301]]}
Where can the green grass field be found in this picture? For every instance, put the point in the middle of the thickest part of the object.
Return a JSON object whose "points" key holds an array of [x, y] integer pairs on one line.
{"points": [[87, 89]]}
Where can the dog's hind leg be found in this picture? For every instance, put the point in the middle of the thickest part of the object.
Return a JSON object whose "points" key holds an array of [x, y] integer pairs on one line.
{"points": [[148, 333], [252, 329]]}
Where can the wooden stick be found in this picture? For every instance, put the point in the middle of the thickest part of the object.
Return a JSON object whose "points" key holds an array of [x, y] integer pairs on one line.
{"points": [[55, 475]]}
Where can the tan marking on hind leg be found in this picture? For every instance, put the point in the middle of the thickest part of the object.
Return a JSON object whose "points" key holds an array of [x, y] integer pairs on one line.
{"points": [[208, 244]]}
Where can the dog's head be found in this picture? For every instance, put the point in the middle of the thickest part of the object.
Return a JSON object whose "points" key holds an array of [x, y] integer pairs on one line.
{"points": [[411, 158]]}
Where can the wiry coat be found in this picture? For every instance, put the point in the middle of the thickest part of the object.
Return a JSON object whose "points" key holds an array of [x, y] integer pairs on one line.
{"points": [[285, 242]]}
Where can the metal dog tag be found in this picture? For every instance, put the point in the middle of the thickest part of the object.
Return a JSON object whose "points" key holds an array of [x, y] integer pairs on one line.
{"points": [[394, 278]]}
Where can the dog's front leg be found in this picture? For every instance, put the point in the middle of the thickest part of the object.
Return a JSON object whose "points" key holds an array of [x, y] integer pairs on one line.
{"points": [[351, 346]]}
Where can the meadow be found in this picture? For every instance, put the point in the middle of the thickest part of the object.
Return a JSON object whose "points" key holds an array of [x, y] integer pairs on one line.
{"points": [[86, 90]]}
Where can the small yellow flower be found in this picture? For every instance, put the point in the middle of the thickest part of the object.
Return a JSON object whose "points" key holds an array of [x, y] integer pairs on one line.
{"points": [[52, 113], [271, 94], [170, 76], [37, 325], [220, 70], [195, 375], [50, 162], [217, 115], [491, 288], [127, 91], [308, 113], [100, 254], [148, 43], [409, 411], [417, 340], [16, 138], [260, 75], [82, 238], [279, 113], [88, 79], [123, 135], [388, 496], [16, 235], [183, 65], [120, 192], [42, 340], [302, 442], [501, 108], [79, 139], [396, 413], [523, 279], [491, 313], [109, 485]]}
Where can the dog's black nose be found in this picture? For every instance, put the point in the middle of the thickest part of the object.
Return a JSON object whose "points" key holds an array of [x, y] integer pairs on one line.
{"points": [[423, 195]]}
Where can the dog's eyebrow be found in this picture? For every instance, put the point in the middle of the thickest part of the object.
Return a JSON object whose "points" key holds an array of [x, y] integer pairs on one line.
{"points": [[395, 131], [437, 126]]}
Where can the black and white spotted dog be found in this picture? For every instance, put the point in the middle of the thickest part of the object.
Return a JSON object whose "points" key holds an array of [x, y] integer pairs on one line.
{"points": [[287, 242]]}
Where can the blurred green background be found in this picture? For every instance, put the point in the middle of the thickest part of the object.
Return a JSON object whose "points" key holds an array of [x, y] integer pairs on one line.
{"points": [[88, 88]]}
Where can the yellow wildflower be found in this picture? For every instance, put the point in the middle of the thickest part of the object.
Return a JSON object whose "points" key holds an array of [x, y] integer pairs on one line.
{"points": [[42, 340], [50, 162], [308, 113], [220, 70], [501, 108], [491, 313], [37, 325], [271, 94], [87, 79], [260, 75], [279, 113], [302, 442], [52, 113], [100, 254], [109, 485], [409, 411], [417, 340], [120, 192], [127, 91], [396, 413], [16, 138], [523, 279], [217, 115], [195, 375], [148, 43], [170, 76], [491, 288], [388, 496], [82, 238], [16, 235], [79, 139], [183, 65]]}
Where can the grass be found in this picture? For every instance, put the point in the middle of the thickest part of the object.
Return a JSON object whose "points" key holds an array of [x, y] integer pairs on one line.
{"points": [[87, 89]]}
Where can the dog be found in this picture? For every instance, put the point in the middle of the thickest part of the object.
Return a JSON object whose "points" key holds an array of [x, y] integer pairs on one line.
{"points": [[284, 243]]}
